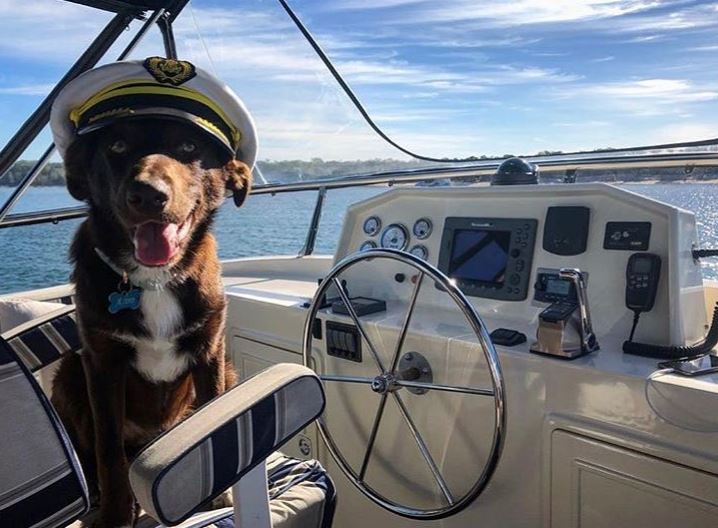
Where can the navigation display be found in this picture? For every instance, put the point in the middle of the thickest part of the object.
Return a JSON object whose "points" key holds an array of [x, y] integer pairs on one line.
{"points": [[489, 257], [480, 255]]}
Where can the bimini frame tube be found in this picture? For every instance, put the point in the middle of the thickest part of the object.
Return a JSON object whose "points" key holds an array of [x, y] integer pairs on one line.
{"points": [[40, 117], [40, 164]]}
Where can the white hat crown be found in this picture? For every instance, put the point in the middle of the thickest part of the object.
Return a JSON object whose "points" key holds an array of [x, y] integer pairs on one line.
{"points": [[154, 87]]}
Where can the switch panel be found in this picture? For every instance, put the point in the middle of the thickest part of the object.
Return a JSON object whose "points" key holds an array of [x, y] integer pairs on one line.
{"points": [[627, 236], [343, 341]]}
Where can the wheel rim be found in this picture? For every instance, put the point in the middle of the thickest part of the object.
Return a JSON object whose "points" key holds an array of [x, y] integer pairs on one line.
{"points": [[387, 384]]}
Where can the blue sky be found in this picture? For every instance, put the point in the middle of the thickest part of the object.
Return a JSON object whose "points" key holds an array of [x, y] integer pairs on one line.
{"points": [[452, 78]]}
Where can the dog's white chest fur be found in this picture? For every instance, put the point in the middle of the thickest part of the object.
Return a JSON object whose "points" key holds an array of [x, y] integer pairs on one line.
{"points": [[157, 356]]}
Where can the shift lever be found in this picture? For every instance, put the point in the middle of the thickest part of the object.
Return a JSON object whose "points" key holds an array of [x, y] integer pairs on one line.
{"points": [[588, 338], [565, 328]]}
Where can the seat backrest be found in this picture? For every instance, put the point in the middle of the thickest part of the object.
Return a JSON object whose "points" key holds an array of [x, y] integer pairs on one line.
{"points": [[224, 441], [41, 482]]}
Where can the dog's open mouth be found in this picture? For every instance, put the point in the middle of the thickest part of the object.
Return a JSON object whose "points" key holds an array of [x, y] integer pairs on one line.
{"points": [[156, 243]]}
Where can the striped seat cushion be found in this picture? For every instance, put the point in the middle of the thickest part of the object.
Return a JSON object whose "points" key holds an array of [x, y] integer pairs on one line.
{"points": [[41, 483], [301, 495], [46, 339], [211, 450]]}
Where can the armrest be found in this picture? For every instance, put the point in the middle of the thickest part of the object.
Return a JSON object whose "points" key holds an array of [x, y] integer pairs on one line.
{"points": [[212, 449]]}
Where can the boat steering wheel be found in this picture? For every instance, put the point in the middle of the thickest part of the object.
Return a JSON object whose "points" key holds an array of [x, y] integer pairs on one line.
{"points": [[397, 376]]}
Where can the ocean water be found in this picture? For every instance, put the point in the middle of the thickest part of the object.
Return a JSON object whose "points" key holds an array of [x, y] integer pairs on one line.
{"points": [[36, 256]]}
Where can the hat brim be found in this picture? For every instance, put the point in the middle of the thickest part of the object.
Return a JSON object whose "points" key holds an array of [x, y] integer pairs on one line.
{"points": [[169, 114]]}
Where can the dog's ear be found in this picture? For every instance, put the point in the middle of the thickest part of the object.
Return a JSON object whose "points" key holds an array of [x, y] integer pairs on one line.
{"points": [[238, 178], [76, 170]]}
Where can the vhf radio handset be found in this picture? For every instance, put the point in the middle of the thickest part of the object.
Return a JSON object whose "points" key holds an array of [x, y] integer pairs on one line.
{"points": [[642, 275], [643, 272]]}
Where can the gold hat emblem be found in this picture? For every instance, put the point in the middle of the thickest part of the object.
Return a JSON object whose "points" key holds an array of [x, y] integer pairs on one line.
{"points": [[169, 71]]}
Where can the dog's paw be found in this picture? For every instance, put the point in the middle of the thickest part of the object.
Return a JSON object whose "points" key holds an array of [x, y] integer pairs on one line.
{"points": [[96, 519], [99, 524]]}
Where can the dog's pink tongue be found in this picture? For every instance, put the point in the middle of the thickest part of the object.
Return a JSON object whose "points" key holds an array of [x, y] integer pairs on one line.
{"points": [[155, 244]]}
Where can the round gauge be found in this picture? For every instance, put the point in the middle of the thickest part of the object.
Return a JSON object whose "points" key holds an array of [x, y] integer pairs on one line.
{"points": [[366, 246], [422, 228], [420, 251], [372, 225], [394, 237]]}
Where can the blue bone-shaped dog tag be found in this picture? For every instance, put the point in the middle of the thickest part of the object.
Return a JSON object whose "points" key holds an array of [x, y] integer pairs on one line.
{"points": [[129, 300]]}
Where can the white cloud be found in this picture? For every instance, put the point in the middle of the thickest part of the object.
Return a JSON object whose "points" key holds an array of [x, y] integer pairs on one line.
{"points": [[582, 124], [523, 12], [279, 53], [692, 17], [644, 38], [31, 89], [684, 132], [662, 99], [373, 4], [50, 30], [663, 91]]}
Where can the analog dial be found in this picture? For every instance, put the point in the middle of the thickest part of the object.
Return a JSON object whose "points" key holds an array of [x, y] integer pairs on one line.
{"points": [[394, 236], [372, 225], [420, 251], [366, 246], [422, 228]]}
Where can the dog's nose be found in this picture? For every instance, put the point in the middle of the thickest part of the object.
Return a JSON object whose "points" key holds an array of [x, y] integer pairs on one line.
{"points": [[145, 198]]}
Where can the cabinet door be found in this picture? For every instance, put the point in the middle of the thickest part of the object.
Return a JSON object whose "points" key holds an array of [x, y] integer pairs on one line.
{"points": [[598, 485], [251, 357]]}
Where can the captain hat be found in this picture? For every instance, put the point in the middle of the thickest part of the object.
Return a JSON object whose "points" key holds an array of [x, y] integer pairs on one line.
{"points": [[155, 87]]}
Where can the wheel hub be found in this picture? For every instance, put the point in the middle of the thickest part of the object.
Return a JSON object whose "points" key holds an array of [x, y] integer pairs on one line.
{"points": [[384, 383]]}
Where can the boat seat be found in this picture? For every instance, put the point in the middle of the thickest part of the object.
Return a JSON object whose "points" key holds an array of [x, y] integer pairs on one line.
{"points": [[41, 481]]}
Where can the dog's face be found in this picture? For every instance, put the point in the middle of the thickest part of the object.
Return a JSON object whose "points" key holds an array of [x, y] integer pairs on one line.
{"points": [[158, 182]]}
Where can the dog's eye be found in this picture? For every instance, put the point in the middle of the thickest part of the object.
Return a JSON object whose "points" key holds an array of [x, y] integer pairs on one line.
{"points": [[118, 147], [187, 147]]}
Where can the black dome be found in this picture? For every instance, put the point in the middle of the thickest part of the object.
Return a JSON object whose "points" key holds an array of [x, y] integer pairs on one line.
{"points": [[515, 171]]}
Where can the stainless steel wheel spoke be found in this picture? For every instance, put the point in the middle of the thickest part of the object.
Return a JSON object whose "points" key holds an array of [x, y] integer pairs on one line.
{"points": [[407, 320], [372, 437], [355, 318], [424, 450], [346, 379], [445, 388]]}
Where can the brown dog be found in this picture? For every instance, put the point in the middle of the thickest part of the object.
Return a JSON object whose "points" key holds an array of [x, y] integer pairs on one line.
{"points": [[155, 351]]}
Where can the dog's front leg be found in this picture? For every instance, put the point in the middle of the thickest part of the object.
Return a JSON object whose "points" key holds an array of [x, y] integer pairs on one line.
{"points": [[105, 362], [208, 375]]}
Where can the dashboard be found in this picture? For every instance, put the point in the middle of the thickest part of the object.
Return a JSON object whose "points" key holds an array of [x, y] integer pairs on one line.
{"points": [[504, 247]]}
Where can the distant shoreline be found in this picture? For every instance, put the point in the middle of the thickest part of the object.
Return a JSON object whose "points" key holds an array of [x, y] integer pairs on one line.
{"points": [[621, 182], [317, 170]]}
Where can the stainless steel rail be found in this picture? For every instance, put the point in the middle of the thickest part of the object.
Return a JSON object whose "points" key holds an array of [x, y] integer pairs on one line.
{"points": [[313, 230], [548, 164], [599, 161]]}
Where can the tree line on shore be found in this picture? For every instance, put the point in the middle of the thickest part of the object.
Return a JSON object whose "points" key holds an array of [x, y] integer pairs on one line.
{"points": [[298, 170]]}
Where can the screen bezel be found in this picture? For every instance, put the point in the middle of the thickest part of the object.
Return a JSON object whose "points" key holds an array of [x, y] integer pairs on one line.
{"points": [[520, 255]]}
